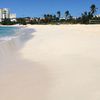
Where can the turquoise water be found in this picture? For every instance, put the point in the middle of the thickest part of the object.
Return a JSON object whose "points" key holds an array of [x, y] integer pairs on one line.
{"points": [[8, 31], [13, 38]]}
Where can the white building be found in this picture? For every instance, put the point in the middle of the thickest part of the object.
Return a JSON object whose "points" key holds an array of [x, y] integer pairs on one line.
{"points": [[13, 17], [5, 14], [98, 15], [0, 15]]}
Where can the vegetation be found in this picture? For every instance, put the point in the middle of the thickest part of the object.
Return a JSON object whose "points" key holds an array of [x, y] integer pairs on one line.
{"points": [[67, 15], [58, 14], [7, 22], [93, 9], [86, 17], [21, 21]]}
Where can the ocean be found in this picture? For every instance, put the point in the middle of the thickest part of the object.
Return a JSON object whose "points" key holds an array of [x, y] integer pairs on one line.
{"points": [[7, 33], [13, 38]]}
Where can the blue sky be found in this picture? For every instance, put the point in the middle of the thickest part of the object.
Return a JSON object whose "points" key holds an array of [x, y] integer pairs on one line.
{"points": [[36, 8]]}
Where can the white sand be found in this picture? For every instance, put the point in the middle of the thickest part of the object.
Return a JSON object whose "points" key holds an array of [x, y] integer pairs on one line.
{"points": [[59, 63]]}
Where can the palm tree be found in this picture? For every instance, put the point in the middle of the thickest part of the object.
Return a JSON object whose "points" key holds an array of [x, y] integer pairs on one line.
{"points": [[54, 17], [93, 9], [51, 17], [67, 14], [58, 14], [85, 18], [90, 15], [45, 16]]}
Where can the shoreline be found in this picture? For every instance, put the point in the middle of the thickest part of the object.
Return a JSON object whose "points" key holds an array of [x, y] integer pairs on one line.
{"points": [[12, 44], [59, 62]]}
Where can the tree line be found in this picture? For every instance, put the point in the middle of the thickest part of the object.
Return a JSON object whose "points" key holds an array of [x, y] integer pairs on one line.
{"points": [[85, 18]]}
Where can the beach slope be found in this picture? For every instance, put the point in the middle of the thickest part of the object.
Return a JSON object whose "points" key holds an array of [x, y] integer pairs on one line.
{"points": [[60, 62]]}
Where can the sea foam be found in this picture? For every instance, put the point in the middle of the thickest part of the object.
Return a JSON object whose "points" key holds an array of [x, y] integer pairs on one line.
{"points": [[12, 42]]}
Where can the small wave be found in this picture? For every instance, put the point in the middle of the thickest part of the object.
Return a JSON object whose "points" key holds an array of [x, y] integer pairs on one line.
{"points": [[12, 34], [7, 38], [10, 44], [22, 33]]}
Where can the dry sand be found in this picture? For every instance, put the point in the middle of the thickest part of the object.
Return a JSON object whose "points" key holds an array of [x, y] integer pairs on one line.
{"points": [[59, 63]]}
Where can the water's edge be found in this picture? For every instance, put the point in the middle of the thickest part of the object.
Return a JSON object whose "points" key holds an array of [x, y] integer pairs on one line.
{"points": [[9, 46]]}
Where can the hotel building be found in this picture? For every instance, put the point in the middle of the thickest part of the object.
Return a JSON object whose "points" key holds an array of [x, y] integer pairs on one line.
{"points": [[5, 14]]}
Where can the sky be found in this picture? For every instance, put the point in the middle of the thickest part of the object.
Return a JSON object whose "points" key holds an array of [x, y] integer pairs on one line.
{"points": [[37, 8]]}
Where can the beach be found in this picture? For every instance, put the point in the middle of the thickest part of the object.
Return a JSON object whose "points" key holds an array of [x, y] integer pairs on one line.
{"points": [[58, 62]]}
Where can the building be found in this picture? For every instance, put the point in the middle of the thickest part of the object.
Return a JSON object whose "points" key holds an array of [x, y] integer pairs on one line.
{"points": [[5, 14], [97, 15], [13, 17]]}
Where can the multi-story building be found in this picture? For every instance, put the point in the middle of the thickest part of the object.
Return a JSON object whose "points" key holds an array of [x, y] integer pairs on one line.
{"points": [[5, 14], [0, 15]]}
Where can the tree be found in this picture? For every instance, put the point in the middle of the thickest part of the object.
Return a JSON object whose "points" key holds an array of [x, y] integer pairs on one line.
{"points": [[50, 17], [7, 22], [85, 18], [54, 17], [90, 15], [21, 21], [45, 16], [93, 9], [58, 14], [67, 14]]}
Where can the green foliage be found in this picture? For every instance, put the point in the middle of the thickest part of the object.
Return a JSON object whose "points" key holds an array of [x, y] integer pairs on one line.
{"points": [[93, 9], [48, 18], [7, 22], [85, 18], [67, 15], [21, 21], [58, 14]]}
